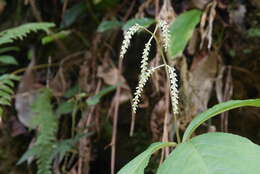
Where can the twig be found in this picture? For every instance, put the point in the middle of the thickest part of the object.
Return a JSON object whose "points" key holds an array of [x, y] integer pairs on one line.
{"points": [[115, 120], [64, 7], [35, 11]]}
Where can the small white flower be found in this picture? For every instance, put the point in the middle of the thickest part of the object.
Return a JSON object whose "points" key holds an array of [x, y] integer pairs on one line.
{"points": [[127, 38], [173, 89], [165, 34]]}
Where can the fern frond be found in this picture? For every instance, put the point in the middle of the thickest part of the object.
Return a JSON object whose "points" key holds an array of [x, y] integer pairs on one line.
{"points": [[9, 35], [6, 89], [47, 124]]}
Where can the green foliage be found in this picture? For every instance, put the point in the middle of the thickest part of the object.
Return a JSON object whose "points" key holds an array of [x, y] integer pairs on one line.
{"points": [[59, 150], [108, 25], [181, 31], [65, 107], [9, 35], [6, 90], [73, 13], [217, 109], [7, 49], [95, 99], [145, 22], [254, 32], [138, 164], [52, 37], [47, 124], [213, 153], [8, 60], [46, 147]]}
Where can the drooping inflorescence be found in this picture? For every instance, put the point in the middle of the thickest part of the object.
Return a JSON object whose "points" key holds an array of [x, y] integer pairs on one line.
{"points": [[144, 76], [165, 34], [127, 38], [145, 70], [173, 88], [144, 62], [139, 89]]}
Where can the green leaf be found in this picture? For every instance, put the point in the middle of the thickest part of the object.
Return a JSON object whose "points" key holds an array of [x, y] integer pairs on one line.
{"points": [[5, 95], [65, 108], [1, 111], [253, 32], [5, 102], [50, 38], [97, 1], [8, 82], [181, 31], [7, 89], [72, 91], [8, 60], [108, 25], [217, 109], [73, 13], [28, 154], [14, 77], [63, 146], [145, 22], [95, 99], [213, 153], [138, 164], [7, 49], [20, 32]]}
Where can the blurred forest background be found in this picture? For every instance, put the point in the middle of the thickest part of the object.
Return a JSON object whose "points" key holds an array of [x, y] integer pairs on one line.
{"points": [[87, 126]]}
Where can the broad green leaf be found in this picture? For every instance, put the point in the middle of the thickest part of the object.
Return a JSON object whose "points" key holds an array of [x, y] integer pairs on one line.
{"points": [[213, 153], [215, 110], [181, 31], [8, 60], [95, 99], [145, 22], [138, 164], [50, 38], [108, 25]]}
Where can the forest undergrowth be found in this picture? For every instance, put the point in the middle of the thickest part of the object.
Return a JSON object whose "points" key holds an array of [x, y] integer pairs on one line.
{"points": [[69, 72]]}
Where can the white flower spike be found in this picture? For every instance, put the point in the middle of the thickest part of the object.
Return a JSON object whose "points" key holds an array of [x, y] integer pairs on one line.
{"points": [[127, 38], [165, 34], [173, 89], [144, 62], [139, 89]]}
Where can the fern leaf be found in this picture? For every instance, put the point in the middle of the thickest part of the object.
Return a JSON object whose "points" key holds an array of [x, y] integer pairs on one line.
{"points": [[6, 89], [47, 124], [9, 35]]}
